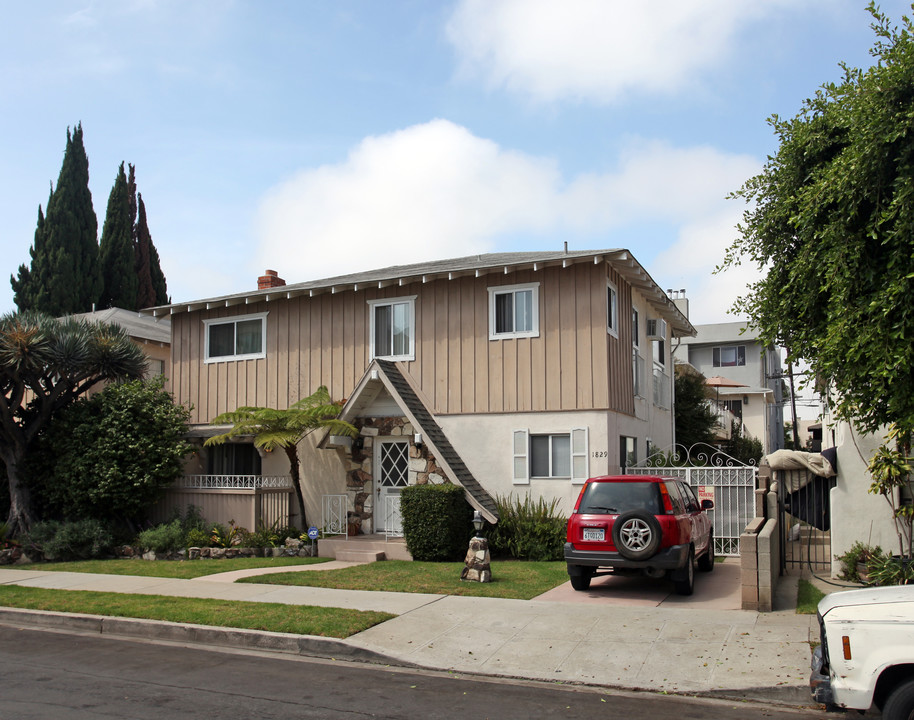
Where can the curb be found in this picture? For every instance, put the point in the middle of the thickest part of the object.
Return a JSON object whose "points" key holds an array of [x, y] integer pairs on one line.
{"points": [[237, 638]]}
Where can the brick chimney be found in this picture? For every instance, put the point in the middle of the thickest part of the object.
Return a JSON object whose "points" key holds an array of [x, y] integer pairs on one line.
{"points": [[270, 280]]}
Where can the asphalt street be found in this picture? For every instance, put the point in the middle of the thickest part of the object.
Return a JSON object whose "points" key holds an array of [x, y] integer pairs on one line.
{"points": [[77, 677]]}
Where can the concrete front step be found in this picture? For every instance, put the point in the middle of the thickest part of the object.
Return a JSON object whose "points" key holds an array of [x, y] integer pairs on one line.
{"points": [[360, 556], [363, 548]]}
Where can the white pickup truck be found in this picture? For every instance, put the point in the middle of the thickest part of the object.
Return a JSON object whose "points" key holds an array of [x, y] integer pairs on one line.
{"points": [[866, 655]]}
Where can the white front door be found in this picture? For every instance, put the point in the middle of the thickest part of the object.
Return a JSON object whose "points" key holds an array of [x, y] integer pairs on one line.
{"points": [[391, 475]]}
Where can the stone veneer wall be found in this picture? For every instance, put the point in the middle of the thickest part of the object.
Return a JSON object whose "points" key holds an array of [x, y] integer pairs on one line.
{"points": [[423, 468]]}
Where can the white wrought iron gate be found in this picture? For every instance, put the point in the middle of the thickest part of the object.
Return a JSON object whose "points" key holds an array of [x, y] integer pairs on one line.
{"points": [[716, 476]]}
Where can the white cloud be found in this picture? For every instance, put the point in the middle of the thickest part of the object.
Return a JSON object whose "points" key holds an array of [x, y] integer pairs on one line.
{"points": [[435, 191], [597, 50], [689, 264], [429, 191]]}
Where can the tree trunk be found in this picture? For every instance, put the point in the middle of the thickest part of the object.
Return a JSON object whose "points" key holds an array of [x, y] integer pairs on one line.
{"points": [[292, 454], [20, 517]]}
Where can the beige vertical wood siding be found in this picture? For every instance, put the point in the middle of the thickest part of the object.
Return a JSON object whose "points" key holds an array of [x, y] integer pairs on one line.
{"points": [[574, 363]]}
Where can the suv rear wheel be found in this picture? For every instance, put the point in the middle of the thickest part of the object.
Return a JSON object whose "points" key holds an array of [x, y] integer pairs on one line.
{"points": [[706, 561], [686, 586], [580, 582], [636, 535]]}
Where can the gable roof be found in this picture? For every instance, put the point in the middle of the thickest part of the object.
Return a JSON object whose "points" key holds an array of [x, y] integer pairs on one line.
{"points": [[133, 323], [451, 269], [387, 374]]}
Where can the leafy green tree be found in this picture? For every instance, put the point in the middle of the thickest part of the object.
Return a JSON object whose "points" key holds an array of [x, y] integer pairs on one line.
{"points": [[109, 456], [45, 365], [831, 221], [116, 252], [695, 419], [285, 429], [64, 276], [744, 448]]}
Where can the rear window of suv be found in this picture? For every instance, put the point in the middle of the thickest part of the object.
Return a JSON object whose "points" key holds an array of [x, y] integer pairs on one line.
{"points": [[615, 498]]}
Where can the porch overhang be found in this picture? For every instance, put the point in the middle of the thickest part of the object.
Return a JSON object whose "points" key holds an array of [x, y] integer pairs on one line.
{"points": [[387, 375]]}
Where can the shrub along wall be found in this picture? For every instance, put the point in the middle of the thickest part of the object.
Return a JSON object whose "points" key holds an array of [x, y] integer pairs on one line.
{"points": [[437, 521]]}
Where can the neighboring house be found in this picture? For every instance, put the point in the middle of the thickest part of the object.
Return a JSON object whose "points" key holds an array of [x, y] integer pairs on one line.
{"points": [[152, 335], [507, 373], [744, 376]]}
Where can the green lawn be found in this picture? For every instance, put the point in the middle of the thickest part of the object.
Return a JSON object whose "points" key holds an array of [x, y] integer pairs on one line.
{"points": [[808, 596], [510, 578], [183, 569], [272, 617]]}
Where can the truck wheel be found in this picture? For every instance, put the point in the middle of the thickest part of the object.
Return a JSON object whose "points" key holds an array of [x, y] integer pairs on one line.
{"points": [[636, 535], [686, 586], [900, 705]]}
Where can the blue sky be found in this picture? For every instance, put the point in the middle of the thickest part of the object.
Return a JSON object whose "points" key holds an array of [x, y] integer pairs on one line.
{"points": [[319, 138]]}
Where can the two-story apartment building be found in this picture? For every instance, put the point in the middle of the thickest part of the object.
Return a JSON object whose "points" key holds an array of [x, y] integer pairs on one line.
{"points": [[504, 373], [745, 376]]}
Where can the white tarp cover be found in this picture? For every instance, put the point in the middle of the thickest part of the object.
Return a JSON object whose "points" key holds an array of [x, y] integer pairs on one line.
{"points": [[791, 460]]}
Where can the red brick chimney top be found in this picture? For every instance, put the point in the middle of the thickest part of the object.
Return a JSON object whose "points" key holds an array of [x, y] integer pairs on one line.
{"points": [[270, 280]]}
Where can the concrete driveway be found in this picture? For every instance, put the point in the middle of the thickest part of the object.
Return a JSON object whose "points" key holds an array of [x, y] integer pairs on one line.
{"points": [[717, 590]]}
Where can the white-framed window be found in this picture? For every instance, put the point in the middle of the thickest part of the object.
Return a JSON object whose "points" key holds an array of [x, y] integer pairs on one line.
{"points": [[392, 328], [729, 356], [550, 456], [636, 328], [514, 311], [239, 338], [612, 309]]}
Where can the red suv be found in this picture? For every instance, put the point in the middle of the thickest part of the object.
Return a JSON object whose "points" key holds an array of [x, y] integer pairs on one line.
{"points": [[639, 524]]}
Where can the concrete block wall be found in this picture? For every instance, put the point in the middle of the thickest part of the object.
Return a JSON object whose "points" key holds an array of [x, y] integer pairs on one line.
{"points": [[760, 558]]}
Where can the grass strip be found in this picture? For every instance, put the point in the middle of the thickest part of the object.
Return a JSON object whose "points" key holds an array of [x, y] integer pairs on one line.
{"points": [[271, 617], [180, 569], [808, 596], [510, 579]]}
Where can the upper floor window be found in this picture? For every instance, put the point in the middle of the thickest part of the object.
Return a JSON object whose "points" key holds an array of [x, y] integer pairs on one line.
{"points": [[393, 328], [636, 328], [238, 338], [514, 311], [612, 309], [729, 356]]}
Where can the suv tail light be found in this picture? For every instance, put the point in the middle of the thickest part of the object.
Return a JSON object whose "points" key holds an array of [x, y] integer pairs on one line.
{"points": [[665, 498]]}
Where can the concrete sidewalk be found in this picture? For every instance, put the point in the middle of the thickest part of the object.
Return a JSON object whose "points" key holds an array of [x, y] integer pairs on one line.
{"points": [[658, 646]]}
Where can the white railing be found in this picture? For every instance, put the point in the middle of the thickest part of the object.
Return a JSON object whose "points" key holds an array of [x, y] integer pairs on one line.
{"points": [[334, 516], [393, 520], [233, 482], [661, 388]]}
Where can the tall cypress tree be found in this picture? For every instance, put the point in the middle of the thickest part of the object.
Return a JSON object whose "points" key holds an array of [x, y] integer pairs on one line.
{"points": [[25, 283], [146, 295], [64, 276], [116, 253], [158, 294]]}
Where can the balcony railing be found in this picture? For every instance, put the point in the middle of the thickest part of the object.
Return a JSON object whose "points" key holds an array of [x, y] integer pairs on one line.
{"points": [[233, 482]]}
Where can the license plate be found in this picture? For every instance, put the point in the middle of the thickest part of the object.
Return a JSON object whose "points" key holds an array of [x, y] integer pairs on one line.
{"points": [[595, 534]]}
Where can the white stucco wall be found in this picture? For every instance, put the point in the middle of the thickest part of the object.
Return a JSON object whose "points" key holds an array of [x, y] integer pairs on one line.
{"points": [[485, 443], [856, 513]]}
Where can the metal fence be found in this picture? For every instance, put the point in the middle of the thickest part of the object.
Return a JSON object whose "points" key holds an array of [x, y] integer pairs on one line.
{"points": [[804, 500], [715, 476]]}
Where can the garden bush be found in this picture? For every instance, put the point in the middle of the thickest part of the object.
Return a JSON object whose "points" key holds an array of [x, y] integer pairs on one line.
{"points": [[72, 540], [165, 538], [528, 530], [437, 522]]}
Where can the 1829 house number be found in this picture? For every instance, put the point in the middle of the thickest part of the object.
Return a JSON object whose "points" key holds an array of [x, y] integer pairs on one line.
{"points": [[600, 453]]}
